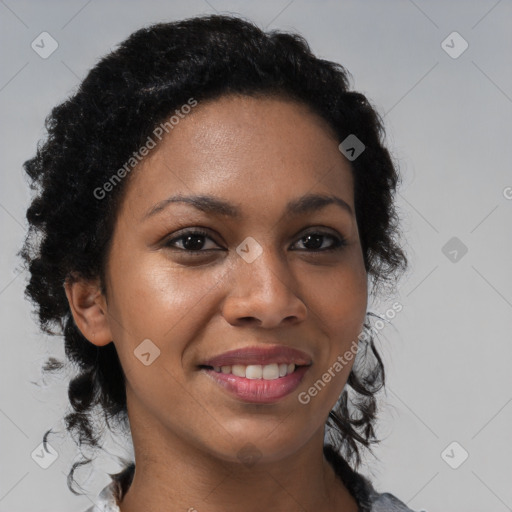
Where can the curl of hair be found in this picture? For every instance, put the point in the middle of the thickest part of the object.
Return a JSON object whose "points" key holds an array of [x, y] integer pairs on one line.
{"points": [[94, 132]]}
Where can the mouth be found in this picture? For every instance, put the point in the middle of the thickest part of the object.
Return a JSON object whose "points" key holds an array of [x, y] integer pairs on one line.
{"points": [[251, 358], [267, 372], [259, 374]]}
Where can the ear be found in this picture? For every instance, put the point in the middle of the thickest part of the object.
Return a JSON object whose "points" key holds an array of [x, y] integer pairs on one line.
{"points": [[89, 309]]}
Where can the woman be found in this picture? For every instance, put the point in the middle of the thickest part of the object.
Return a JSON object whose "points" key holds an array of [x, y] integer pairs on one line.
{"points": [[214, 207]]}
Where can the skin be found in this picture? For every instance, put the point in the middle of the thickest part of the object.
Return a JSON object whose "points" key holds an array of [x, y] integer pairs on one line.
{"points": [[258, 153]]}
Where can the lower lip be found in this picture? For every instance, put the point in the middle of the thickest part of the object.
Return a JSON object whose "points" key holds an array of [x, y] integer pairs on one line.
{"points": [[259, 391]]}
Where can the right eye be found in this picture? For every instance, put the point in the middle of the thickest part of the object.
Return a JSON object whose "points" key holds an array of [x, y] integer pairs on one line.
{"points": [[192, 242]]}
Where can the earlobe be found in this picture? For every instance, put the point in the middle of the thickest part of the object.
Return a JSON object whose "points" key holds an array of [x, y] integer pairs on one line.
{"points": [[89, 309]]}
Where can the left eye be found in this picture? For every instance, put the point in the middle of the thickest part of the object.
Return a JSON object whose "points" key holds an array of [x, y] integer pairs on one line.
{"points": [[191, 241], [317, 239]]}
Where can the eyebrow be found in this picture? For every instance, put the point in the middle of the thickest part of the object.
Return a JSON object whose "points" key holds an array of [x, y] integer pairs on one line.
{"points": [[308, 203]]}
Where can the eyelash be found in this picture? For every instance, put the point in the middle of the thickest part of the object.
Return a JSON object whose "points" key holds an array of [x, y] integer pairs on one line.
{"points": [[338, 242]]}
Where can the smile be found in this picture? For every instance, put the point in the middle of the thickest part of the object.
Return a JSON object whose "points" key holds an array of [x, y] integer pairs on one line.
{"points": [[255, 386], [257, 371]]}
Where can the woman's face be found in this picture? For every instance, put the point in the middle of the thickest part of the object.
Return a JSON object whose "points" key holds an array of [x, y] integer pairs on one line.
{"points": [[255, 280]]}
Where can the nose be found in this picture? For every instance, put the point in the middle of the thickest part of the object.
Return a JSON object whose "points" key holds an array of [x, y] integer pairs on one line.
{"points": [[264, 292]]}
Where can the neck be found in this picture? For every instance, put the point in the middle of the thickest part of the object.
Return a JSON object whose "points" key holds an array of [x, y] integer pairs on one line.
{"points": [[172, 473]]}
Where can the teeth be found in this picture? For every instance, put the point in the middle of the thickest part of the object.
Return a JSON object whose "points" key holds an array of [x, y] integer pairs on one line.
{"points": [[258, 371], [270, 372], [238, 370], [254, 371]]}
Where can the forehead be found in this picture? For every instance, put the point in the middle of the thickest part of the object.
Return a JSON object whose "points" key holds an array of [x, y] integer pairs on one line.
{"points": [[252, 151]]}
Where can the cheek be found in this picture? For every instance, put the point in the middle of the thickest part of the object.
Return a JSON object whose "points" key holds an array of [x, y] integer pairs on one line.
{"points": [[343, 306], [159, 301], [343, 303], [154, 296]]}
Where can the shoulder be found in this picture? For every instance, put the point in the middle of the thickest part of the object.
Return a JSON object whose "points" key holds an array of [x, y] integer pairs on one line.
{"points": [[113, 493], [368, 499], [106, 500], [386, 502], [381, 502]]}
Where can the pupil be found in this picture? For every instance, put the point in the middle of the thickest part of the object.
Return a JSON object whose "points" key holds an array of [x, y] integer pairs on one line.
{"points": [[317, 241], [193, 246]]}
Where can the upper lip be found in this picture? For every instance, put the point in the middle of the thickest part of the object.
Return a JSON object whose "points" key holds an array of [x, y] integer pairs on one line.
{"points": [[260, 355]]}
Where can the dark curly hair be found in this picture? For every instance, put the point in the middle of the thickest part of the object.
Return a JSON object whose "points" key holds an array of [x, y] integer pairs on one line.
{"points": [[116, 107]]}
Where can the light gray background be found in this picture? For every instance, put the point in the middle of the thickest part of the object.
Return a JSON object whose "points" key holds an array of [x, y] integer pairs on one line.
{"points": [[448, 120]]}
